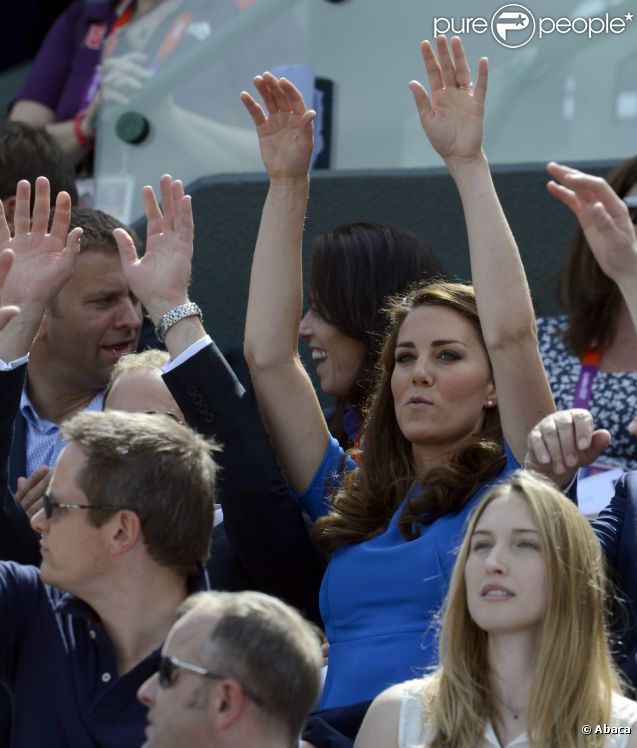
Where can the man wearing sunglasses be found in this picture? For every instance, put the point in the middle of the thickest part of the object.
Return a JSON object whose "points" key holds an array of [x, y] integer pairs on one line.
{"points": [[125, 527], [237, 670]]}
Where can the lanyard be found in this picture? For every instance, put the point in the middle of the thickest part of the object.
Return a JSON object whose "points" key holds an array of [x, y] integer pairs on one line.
{"points": [[588, 371]]}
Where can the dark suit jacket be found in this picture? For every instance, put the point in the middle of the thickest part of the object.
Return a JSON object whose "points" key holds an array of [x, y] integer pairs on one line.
{"points": [[264, 524], [616, 528], [18, 455], [263, 542], [17, 541]]}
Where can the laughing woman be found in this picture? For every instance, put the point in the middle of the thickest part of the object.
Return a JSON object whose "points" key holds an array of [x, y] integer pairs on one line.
{"points": [[524, 655], [455, 396]]}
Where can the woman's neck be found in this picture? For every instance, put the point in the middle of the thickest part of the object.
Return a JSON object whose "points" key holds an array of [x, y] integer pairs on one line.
{"points": [[426, 457], [512, 660]]}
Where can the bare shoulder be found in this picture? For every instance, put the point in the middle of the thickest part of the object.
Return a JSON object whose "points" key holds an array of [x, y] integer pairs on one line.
{"points": [[380, 726]]}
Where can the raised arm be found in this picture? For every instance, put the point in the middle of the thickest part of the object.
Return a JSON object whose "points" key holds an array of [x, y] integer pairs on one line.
{"points": [[44, 261], [263, 523], [288, 403], [605, 221], [33, 267], [452, 116], [160, 278]]}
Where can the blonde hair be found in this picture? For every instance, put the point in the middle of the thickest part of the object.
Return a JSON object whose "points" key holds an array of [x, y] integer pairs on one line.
{"points": [[151, 359], [574, 675]]}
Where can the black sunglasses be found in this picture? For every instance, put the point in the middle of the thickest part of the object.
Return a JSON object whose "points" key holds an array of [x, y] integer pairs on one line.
{"points": [[169, 668], [631, 203], [48, 504]]}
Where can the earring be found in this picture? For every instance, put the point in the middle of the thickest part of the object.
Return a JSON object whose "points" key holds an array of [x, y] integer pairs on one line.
{"points": [[490, 403]]}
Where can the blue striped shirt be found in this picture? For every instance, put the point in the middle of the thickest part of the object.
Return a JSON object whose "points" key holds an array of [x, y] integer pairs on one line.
{"points": [[43, 439]]}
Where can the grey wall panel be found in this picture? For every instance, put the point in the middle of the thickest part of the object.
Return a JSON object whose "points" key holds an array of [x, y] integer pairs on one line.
{"points": [[227, 211]]}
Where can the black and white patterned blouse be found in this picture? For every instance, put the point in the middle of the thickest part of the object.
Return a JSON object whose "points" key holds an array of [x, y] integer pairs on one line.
{"points": [[614, 401]]}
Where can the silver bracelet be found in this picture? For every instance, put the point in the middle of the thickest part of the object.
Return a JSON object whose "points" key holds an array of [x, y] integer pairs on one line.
{"points": [[190, 309]]}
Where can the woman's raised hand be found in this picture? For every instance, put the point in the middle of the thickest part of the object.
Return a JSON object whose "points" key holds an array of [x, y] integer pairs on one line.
{"points": [[604, 219], [286, 135], [452, 113]]}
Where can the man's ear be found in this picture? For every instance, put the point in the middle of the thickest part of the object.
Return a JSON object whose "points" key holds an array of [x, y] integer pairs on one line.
{"points": [[8, 204], [229, 703], [125, 530]]}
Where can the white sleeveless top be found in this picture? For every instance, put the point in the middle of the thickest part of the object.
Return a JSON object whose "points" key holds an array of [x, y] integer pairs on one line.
{"points": [[414, 733]]}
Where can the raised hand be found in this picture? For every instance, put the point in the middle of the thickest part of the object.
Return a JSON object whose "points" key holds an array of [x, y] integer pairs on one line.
{"points": [[452, 114], [160, 278], [7, 313], [563, 442], [286, 134], [44, 260], [604, 219]]}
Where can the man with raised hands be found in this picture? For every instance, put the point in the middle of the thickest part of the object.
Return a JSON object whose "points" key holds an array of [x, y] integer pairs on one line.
{"points": [[263, 523], [123, 532]]}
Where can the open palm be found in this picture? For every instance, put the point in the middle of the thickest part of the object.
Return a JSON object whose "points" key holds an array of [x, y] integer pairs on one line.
{"points": [[43, 260], [7, 313], [603, 217], [286, 134], [160, 278], [452, 115]]}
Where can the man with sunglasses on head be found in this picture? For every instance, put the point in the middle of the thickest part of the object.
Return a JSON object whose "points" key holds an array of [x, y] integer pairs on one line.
{"points": [[125, 527], [237, 670]]}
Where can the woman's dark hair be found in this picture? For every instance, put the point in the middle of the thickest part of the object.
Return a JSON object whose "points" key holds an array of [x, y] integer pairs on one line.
{"points": [[589, 297], [370, 495], [355, 268]]}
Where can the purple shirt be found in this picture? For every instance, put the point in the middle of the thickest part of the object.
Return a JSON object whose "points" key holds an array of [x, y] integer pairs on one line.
{"points": [[63, 69]]}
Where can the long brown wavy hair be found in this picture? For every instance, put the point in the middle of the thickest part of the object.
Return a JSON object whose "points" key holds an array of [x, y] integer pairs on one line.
{"points": [[589, 297], [574, 676], [370, 495]]}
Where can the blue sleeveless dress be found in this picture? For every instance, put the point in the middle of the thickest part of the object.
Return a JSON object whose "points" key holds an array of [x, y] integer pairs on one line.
{"points": [[379, 599]]}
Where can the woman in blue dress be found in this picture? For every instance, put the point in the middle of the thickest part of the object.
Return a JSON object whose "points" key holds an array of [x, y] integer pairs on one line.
{"points": [[455, 396]]}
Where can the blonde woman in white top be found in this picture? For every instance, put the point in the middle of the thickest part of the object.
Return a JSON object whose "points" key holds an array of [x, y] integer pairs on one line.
{"points": [[524, 655]]}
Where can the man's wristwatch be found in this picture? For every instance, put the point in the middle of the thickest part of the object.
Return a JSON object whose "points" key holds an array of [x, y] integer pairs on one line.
{"points": [[190, 309]]}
